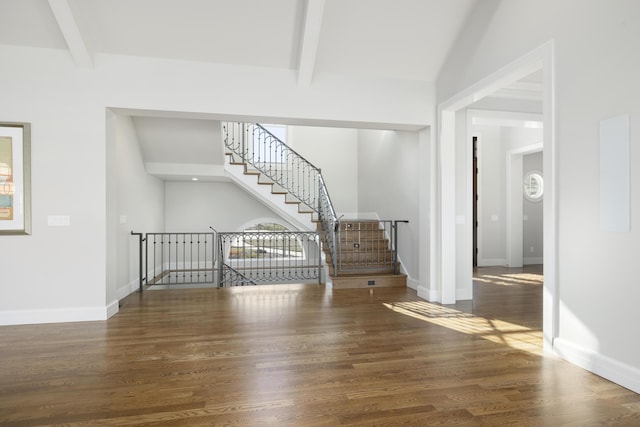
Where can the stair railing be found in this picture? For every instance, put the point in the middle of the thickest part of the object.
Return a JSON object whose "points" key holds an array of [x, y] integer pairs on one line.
{"points": [[256, 146], [330, 223], [175, 258]]}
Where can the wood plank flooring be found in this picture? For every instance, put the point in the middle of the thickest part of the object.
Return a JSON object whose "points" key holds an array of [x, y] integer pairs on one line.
{"points": [[304, 355]]}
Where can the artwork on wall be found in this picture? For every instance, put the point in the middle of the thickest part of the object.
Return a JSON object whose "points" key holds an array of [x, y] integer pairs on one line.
{"points": [[15, 178]]}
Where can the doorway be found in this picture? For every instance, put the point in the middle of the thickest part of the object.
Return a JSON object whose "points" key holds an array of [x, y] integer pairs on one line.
{"points": [[453, 258]]}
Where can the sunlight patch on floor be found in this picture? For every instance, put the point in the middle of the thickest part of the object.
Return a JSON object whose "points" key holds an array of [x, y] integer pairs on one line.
{"points": [[495, 330], [511, 279]]}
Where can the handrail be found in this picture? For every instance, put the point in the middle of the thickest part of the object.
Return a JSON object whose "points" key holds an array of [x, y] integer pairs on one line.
{"points": [[289, 148], [330, 223], [269, 155], [287, 168], [141, 239]]}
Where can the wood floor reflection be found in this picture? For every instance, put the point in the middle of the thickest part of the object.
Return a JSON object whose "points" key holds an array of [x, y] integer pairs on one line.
{"points": [[303, 355]]}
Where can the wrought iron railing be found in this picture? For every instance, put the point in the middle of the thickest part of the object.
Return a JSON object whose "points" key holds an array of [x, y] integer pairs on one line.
{"points": [[329, 223], [268, 257], [176, 258], [232, 277], [254, 145]]}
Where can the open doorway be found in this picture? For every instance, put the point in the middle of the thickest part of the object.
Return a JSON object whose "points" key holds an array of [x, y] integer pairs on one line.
{"points": [[508, 218], [453, 259], [507, 148]]}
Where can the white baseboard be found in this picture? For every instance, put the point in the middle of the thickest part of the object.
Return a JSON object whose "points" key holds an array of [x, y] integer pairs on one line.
{"points": [[412, 283], [428, 294], [464, 294], [112, 308], [58, 315], [533, 261], [127, 289], [492, 262], [620, 373]]}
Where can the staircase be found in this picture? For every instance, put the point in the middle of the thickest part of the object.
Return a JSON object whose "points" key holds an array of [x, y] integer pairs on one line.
{"points": [[364, 256], [359, 253]]}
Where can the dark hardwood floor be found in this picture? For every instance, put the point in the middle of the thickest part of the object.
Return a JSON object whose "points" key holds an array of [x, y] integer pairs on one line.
{"points": [[302, 355]]}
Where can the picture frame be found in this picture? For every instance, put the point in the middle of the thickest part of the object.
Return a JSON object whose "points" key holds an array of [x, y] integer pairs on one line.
{"points": [[15, 178]]}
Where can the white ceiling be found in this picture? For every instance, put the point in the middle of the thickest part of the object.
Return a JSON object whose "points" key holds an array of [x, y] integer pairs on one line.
{"points": [[399, 39], [183, 141]]}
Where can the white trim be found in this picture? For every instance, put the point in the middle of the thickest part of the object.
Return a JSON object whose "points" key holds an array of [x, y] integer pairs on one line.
{"points": [[127, 289], [505, 118], [71, 33], [464, 294], [112, 308], [620, 373], [533, 260], [430, 295], [310, 41], [498, 262], [412, 283], [513, 207], [445, 266], [58, 315]]}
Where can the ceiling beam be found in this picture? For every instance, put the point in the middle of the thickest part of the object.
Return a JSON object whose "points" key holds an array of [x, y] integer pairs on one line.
{"points": [[310, 40], [71, 33]]}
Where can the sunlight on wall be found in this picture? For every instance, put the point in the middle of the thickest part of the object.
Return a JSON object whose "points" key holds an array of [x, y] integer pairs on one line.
{"points": [[495, 330]]}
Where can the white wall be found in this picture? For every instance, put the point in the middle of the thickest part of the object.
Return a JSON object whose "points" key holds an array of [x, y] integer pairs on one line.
{"points": [[388, 188], [60, 273], [596, 78], [532, 221], [335, 152], [140, 204], [491, 196], [195, 206]]}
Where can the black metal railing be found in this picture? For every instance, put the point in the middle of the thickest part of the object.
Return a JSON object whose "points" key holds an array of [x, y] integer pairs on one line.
{"points": [[254, 145], [176, 258], [268, 257], [329, 223], [251, 143]]}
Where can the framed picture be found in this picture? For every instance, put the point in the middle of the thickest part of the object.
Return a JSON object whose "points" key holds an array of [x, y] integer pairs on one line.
{"points": [[15, 178]]}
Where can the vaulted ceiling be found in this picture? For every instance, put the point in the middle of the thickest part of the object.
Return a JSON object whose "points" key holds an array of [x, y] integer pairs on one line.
{"points": [[399, 39]]}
